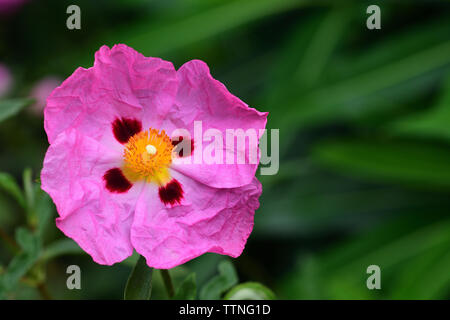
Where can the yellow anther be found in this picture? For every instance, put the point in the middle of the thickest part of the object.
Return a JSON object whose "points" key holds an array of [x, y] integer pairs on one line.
{"points": [[147, 156]]}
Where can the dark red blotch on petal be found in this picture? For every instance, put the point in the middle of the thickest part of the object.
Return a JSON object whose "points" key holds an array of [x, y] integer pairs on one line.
{"points": [[116, 182], [171, 193], [179, 149], [125, 128]]}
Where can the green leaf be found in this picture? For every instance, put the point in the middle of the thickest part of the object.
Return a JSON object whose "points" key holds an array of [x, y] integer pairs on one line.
{"points": [[432, 123], [22, 262], [425, 269], [8, 184], [250, 291], [44, 209], [9, 108], [393, 46], [389, 257], [321, 46], [139, 284], [28, 187], [349, 98], [226, 279], [181, 32], [187, 289], [433, 283], [172, 33], [27, 240], [61, 247], [391, 245], [414, 163], [316, 202]]}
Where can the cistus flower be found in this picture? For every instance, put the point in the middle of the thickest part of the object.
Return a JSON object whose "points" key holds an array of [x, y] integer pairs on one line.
{"points": [[111, 170]]}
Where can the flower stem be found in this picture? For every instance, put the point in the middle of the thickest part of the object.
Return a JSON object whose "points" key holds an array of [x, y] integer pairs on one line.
{"points": [[42, 288], [167, 282]]}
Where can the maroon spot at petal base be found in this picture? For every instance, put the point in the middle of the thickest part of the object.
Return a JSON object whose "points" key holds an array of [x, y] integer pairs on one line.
{"points": [[116, 181], [125, 128], [171, 193], [180, 150]]}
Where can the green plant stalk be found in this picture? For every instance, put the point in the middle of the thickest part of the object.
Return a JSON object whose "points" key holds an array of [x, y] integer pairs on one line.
{"points": [[168, 282], [29, 198]]}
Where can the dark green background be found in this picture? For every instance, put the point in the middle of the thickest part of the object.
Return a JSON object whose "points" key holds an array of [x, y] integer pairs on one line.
{"points": [[364, 119]]}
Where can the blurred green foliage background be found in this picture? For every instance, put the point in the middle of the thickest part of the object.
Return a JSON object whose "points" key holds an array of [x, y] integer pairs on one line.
{"points": [[364, 119]]}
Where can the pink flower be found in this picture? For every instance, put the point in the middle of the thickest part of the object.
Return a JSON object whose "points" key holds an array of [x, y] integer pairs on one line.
{"points": [[112, 167], [41, 91], [5, 80]]}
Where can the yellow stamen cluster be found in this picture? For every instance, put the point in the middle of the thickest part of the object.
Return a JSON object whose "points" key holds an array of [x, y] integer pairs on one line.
{"points": [[147, 156]]}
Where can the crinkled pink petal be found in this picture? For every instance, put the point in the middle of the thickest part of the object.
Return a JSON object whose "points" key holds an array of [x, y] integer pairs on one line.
{"points": [[210, 220], [122, 83], [202, 98], [98, 220]]}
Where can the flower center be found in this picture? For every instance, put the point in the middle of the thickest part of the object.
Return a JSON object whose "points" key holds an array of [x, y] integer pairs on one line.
{"points": [[147, 156]]}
